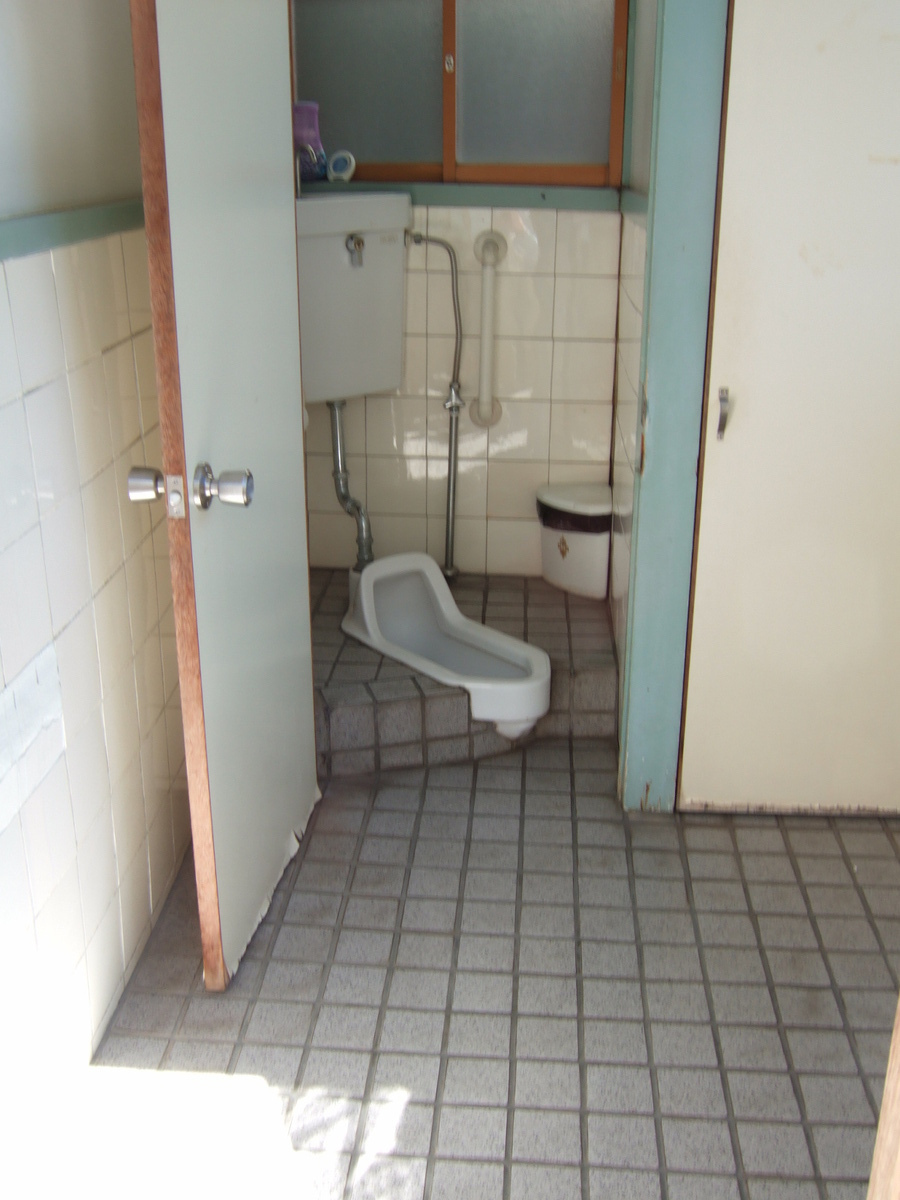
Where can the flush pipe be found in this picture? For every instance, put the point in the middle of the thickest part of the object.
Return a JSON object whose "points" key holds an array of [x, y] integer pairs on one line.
{"points": [[364, 553], [453, 403]]}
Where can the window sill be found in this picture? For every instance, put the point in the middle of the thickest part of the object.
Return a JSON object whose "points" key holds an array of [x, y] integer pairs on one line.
{"points": [[485, 195]]}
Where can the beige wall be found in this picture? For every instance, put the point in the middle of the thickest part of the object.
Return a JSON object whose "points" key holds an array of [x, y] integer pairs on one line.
{"points": [[794, 678], [68, 116]]}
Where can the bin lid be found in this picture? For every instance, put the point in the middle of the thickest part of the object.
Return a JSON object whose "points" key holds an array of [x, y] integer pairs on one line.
{"points": [[585, 499]]}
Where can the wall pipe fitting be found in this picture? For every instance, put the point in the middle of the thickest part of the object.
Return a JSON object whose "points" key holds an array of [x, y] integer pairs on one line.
{"points": [[364, 553]]}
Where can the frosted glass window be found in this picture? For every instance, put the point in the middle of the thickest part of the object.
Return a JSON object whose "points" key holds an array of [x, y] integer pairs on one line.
{"points": [[533, 80], [375, 69]]}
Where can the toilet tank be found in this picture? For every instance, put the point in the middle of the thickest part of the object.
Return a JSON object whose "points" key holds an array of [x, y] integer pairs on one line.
{"points": [[351, 258]]}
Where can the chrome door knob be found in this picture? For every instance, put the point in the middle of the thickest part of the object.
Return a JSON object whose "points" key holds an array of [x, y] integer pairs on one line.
{"points": [[232, 487], [145, 484]]}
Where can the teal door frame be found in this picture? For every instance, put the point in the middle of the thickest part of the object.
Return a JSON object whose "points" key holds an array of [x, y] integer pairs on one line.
{"points": [[681, 209]]}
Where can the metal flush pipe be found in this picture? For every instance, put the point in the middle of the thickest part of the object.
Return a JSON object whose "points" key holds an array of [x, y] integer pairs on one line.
{"points": [[453, 403], [364, 553]]}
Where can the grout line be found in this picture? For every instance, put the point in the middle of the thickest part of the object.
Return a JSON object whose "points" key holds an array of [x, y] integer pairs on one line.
{"points": [[374, 1053], [860, 892], [779, 1021], [579, 986], [645, 1006], [335, 936], [836, 991], [890, 835], [514, 1004], [451, 987]]}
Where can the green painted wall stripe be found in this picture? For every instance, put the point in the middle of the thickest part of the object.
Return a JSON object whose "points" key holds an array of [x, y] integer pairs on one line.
{"points": [[485, 195], [20, 236], [633, 202], [681, 217]]}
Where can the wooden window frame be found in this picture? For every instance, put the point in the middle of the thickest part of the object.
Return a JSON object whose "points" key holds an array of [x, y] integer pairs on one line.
{"points": [[540, 174]]}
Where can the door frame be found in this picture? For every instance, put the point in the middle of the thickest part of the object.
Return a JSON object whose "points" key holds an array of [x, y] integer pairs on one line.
{"points": [[165, 341]]}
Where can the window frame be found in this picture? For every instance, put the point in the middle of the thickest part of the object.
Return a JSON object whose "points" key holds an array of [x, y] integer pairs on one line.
{"points": [[607, 174]]}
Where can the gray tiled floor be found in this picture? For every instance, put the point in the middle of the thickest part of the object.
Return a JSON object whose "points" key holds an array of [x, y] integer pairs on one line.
{"points": [[487, 981]]}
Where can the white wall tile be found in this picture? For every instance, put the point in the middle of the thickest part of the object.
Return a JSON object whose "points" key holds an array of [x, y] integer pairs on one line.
{"points": [[93, 306], [318, 435], [18, 494], [162, 853], [52, 435], [90, 415], [120, 719], [97, 870], [440, 366], [134, 901], [583, 371], [588, 243], [175, 736], [66, 560], [155, 771], [523, 306], [48, 830], [145, 367], [585, 307], [113, 630], [320, 494], [472, 439], [523, 432], [416, 303], [16, 916], [396, 425], [148, 676], [440, 320], [88, 771], [580, 432], [129, 824], [35, 318], [79, 670], [137, 278], [514, 547], [58, 926], [105, 967], [104, 531], [530, 240], [25, 626], [512, 489], [332, 540], [397, 485], [522, 368], [582, 472], [395, 535], [122, 394], [140, 580], [10, 379]]}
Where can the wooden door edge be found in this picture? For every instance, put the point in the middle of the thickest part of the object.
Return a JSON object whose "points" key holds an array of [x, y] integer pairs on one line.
{"points": [[148, 90]]}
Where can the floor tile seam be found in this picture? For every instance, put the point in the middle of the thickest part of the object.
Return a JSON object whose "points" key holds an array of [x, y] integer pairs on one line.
{"points": [[374, 1053], [848, 1030], [891, 836], [731, 1120], [335, 935], [293, 872], [863, 899], [514, 1000], [647, 1020], [571, 652], [438, 1105], [781, 1028], [579, 986]]}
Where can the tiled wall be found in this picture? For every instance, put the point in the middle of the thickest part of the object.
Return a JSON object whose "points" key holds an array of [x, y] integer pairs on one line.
{"points": [[93, 807], [627, 432], [555, 323]]}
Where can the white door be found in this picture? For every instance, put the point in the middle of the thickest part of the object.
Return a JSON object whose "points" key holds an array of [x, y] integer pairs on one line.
{"points": [[227, 194], [793, 693]]}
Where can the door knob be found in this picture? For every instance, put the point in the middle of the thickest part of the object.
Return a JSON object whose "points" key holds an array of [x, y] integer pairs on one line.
{"points": [[232, 487], [147, 483]]}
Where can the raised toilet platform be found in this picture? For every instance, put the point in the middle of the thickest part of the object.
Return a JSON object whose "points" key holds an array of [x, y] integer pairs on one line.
{"points": [[375, 713]]}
